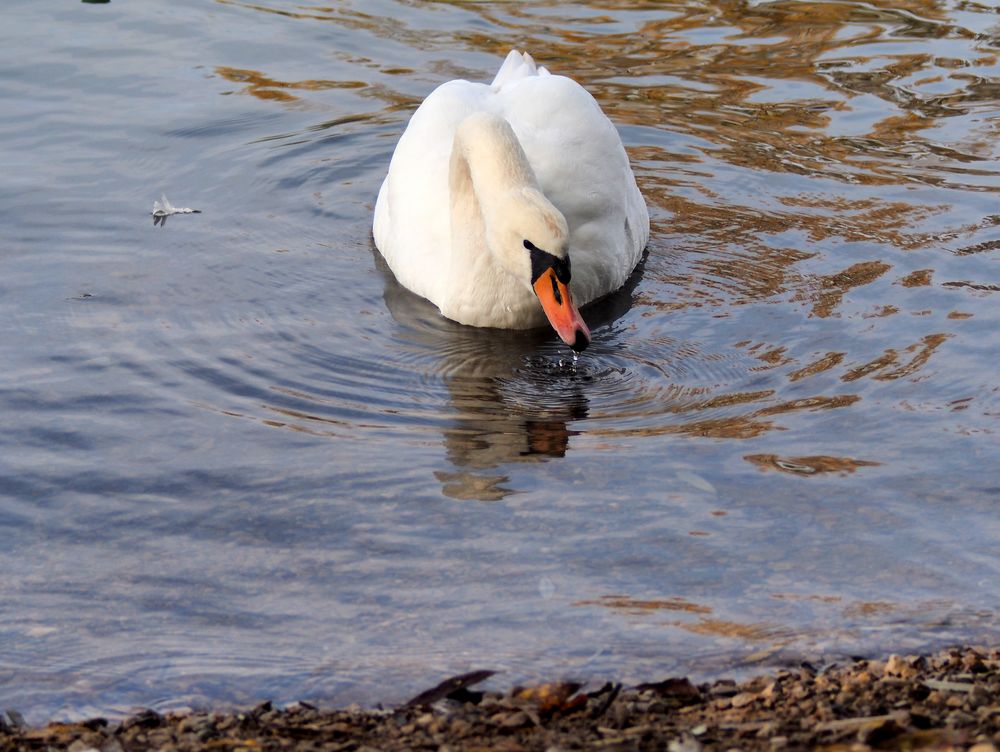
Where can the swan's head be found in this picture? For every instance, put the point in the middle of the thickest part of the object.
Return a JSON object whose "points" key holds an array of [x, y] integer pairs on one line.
{"points": [[530, 241]]}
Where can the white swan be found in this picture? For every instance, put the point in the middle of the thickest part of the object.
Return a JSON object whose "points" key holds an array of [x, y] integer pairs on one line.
{"points": [[493, 189]]}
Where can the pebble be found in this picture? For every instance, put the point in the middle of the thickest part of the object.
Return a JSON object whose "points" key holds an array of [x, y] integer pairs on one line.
{"points": [[515, 720], [983, 747], [620, 713], [959, 719], [950, 697], [723, 688], [979, 696], [460, 727], [897, 666], [874, 733], [684, 744]]}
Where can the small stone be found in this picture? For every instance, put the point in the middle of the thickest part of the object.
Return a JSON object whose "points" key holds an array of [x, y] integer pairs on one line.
{"points": [[919, 692], [959, 719], [779, 742], [658, 707], [898, 666], [983, 747], [987, 711], [685, 744], [861, 678], [515, 720], [620, 714], [874, 733], [743, 699], [767, 729], [978, 696], [227, 723], [145, 719], [185, 724], [972, 662], [723, 688]]}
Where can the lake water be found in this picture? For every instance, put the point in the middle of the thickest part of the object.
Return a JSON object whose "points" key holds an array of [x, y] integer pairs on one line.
{"points": [[239, 462]]}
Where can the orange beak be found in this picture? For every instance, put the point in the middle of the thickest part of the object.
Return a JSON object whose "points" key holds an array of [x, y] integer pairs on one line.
{"points": [[562, 314]]}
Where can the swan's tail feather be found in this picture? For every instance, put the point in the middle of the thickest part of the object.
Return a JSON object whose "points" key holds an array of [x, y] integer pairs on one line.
{"points": [[516, 66]]}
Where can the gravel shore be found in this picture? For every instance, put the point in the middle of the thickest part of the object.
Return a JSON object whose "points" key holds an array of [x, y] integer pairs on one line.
{"points": [[945, 701]]}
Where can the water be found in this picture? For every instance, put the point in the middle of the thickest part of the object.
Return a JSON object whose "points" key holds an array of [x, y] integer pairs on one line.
{"points": [[239, 462]]}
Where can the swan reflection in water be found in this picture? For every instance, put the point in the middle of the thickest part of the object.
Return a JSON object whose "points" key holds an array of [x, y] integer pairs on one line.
{"points": [[515, 396]]}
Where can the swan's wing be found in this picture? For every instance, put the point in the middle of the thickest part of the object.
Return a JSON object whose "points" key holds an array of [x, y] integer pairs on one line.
{"points": [[412, 226], [582, 167]]}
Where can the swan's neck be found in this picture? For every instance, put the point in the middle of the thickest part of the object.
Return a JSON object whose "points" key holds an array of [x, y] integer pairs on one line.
{"points": [[488, 159], [487, 164]]}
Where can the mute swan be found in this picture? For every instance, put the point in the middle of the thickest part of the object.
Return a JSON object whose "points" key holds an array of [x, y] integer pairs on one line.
{"points": [[493, 189]]}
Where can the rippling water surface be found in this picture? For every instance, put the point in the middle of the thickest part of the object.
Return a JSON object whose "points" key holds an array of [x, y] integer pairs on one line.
{"points": [[238, 461]]}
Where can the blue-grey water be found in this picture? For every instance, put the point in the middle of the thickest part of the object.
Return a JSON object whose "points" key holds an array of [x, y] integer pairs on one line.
{"points": [[239, 462]]}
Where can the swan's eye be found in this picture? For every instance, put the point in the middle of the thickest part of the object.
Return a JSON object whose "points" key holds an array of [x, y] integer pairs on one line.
{"points": [[561, 268], [530, 246]]}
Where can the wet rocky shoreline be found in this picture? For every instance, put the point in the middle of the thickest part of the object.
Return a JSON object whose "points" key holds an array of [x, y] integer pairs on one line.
{"points": [[944, 701]]}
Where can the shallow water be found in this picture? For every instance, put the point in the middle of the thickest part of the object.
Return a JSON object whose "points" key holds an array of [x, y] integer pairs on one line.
{"points": [[240, 462]]}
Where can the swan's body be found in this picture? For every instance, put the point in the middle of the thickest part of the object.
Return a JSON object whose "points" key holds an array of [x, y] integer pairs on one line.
{"points": [[492, 184]]}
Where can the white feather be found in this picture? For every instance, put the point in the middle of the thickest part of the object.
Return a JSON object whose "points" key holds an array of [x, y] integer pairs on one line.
{"points": [[580, 165]]}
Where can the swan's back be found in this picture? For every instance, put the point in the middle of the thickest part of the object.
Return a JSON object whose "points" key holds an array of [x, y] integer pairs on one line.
{"points": [[574, 150]]}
